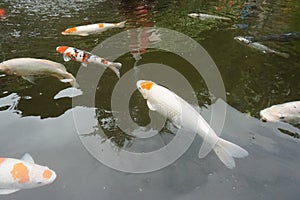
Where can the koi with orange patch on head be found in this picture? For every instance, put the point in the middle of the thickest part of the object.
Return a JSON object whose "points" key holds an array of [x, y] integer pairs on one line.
{"points": [[182, 115], [145, 87], [86, 30], [23, 174]]}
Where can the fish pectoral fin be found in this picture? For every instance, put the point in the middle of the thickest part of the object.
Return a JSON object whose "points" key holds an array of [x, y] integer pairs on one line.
{"points": [[27, 158], [176, 121], [151, 106], [83, 34], [8, 191], [66, 80], [66, 58], [29, 78]]}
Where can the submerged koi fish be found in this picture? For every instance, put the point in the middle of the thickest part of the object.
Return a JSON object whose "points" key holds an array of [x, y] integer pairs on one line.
{"points": [[255, 45], [21, 174], [182, 114], [27, 68], [92, 28], [286, 112], [71, 53], [203, 16]]}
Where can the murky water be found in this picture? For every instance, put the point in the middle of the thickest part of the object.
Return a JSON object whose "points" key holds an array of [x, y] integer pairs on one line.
{"points": [[31, 120]]}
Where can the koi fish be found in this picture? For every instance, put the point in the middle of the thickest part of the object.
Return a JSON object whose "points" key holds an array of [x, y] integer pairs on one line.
{"points": [[255, 45], [203, 16], [92, 28], [183, 115], [21, 174], [27, 68], [286, 112], [71, 53]]}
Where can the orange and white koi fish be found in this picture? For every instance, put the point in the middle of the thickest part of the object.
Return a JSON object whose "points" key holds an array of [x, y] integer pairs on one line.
{"points": [[27, 68], [71, 53], [92, 28], [183, 115], [21, 174]]}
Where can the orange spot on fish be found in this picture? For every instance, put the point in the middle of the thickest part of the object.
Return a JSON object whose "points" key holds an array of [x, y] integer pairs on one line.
{"points": [[2, 12], [105, 62], [2, 160], [101, 25], [47, 174], [61, 49], [70, 30], [84, 57], [115, 24], [20, 172], [147, 85]]}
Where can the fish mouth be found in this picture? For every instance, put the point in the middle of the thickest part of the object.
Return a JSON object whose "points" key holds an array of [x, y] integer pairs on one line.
{"points": [[266, 116], [139, 82], [53, 177], [193, 15], [242, 40]]}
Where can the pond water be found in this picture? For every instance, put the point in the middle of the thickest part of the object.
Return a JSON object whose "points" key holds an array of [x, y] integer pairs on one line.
{"points": [[59, 133]]}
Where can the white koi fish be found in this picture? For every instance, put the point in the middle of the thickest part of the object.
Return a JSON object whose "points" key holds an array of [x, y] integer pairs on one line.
{"points": [[71, 53], [21, 174], [203, 16], [183, 115], [259, 46], [92, 28], [27, 68], [286, 112]]}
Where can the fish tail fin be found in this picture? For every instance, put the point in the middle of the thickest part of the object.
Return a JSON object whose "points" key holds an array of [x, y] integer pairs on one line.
{"points": [[116, 68], [121, 24], [69, 78], [282, 54], [227, 151]]}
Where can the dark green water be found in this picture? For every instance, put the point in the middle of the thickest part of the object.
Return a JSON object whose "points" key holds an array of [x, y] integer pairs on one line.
{"points": [[44, 127]]}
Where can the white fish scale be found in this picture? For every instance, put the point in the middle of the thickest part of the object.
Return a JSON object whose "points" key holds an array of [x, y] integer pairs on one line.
{"points": [[177, 108]]}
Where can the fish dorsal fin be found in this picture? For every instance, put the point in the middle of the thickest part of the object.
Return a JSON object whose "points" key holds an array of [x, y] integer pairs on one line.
{"points": [[66, 58], [55, 64], [176, 121], [27, 158], [29, 78], [151, 106], [8, 191]]}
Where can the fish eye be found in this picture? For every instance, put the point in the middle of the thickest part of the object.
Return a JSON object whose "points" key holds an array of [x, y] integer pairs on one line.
{"points": [[39, 182], [282, 117]]}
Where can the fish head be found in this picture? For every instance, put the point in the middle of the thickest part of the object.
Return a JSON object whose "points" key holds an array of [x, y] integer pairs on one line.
{"points": [[193, 15], [5, 69], [287, 112], [145, 87], [69, 31], [242, 40], [41, 175], [273, 114], [61, 49]]}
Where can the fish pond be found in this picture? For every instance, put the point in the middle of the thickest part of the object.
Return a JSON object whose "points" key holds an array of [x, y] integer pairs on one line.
{"points": [[101, 143]]}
